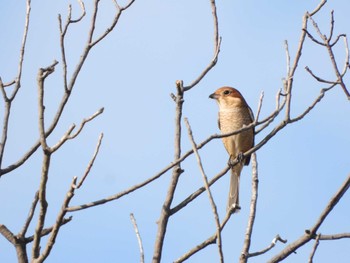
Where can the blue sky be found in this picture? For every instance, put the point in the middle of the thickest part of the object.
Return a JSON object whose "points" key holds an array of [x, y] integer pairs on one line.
{"points": [[131, 73]]}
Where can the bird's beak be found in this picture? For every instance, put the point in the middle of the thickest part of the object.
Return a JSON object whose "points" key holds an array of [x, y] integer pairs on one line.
{"points": [[214, 96]]}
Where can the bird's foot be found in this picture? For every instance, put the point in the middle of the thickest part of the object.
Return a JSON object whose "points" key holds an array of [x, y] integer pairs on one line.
{"points": [[240, 157], [231, 162]]}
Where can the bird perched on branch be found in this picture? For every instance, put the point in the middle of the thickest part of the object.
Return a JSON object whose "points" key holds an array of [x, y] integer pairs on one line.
{"points": [[234, 113]]}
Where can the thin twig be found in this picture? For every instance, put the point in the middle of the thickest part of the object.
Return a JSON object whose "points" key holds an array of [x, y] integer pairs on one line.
{"points": [[328, 45], [138, 236], [8, 99], [287, 56], [252, 213], [335, 236], [22, 51], [318, 78], [57, 226], [259, 107], [30, 216], [273, 243], [68, 85], [313, 251], [217, 44], [310, 234], [206, 185], [111, 27], [211, 240], [91, 163], [48, 230], [69, 136]]}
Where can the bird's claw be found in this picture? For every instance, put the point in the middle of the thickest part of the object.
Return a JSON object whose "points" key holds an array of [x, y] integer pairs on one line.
{"points": [[240, 157], [231, 162]]}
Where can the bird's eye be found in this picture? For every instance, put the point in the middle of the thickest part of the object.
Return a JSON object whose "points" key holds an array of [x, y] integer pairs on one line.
{"points": [[226, 92]]}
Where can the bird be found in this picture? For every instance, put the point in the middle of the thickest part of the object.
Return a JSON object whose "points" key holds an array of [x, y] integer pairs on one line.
{"points": [[234, 113]]}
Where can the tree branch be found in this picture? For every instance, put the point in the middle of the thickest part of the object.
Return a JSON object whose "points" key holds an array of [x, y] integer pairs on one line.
{"points": [[206, 185], [138, 236], [310, 234], [56, 227], [217, 44], [317, 241], [252, 214], [30, 216], [91, 163], [177, 171]]}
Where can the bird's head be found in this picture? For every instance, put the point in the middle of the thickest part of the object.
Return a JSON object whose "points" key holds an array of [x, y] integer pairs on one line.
{"points": [[228, 97]]}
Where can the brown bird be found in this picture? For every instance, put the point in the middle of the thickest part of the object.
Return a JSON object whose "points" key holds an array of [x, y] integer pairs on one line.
{"points": [[234, 113]]}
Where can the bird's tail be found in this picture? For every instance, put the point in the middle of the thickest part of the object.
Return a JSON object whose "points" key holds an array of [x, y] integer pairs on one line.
{"points": [[233, 197]]}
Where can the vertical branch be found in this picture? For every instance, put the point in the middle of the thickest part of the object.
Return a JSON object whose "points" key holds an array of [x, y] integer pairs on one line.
{"points": [[59, 222], [30, 216], [22, 50], [253, 203], [217, 44], [43, 205], [289, 80], [312, 254], [17, 81], [42, 75], [133, 221], [207, 188], [165, 213], [5, 123]]}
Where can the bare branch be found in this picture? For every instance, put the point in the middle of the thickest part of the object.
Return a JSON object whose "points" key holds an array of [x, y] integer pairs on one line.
{"points": [[259, 107], [317, 241], [252, 213], [57, 225], [138, 236], [91, 163], [42, 74], [68, 86], [310, 234], [177, 171], [329, 46], [318, 78], [18, 244], [8, 99], [99, 112], [318, 8], [287, 57], [7, 234], [206, 185], [30, 216], [43, 205], [217, 44], [110, 29], [195, 194], [316, 101], [21, 56], [47, 231], [335, 236], [211, 240], [69, 136], [273, 243]]}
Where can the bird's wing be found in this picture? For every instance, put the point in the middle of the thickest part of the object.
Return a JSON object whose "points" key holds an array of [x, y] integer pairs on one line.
{"points": [[219, 121]]}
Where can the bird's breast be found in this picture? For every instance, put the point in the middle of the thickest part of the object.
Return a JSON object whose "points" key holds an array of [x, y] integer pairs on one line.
{"points": [[233, 119]]}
